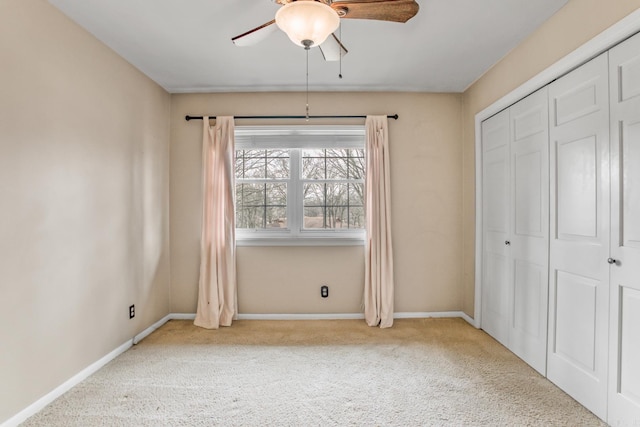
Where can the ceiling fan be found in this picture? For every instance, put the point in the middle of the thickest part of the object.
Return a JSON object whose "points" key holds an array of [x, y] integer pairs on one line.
{"points": [[311, 23]]}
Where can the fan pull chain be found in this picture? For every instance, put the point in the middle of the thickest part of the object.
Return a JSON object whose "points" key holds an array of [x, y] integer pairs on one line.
{"points": [[340, 49], [307, 49]]}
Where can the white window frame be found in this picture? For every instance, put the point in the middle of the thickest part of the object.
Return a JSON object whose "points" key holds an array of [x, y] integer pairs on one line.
{"points": [[297, 138]]}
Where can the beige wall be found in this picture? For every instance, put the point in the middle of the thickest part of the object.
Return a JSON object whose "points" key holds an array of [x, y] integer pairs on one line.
{"points": [[571, 27], [426, 213], [84, 146]]}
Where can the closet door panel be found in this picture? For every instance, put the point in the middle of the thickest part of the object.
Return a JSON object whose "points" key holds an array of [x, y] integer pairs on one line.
{"points": [[577, 182], [624, 356], [527, 298], [528, 181], [630, 191], [495, 211], [529, 229], [626, 67], [579, 244], [576, 298], [629, 371]]}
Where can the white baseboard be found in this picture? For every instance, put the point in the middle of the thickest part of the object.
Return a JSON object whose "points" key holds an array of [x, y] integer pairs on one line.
{"points": [[436, 314], [342, 316], [142, 335], [470, 320], [39, 404], [316, 316], [425, 314], [182, 316], [329, 316]]}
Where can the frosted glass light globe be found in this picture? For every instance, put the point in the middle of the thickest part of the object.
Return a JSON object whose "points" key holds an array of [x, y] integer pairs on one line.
{"points": [[307, 23]]}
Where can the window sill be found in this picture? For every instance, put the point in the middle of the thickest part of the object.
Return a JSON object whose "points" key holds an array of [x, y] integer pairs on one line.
{"points": [[300, 241]]}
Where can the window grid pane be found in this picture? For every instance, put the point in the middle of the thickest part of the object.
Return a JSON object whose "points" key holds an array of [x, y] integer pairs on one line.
{"points": [[332, 205], [261, 205], [262, 164], [333, 164]]}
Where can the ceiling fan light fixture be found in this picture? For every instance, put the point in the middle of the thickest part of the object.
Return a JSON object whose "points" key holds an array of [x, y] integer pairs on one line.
{"points": [[307, 22]]}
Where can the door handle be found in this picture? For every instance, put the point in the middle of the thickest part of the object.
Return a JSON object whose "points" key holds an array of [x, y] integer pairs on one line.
{"points": [[612, 261], [507, 243]]}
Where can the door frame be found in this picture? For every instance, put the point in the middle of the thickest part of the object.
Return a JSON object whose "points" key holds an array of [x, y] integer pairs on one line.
{"points": [[618, 32]]}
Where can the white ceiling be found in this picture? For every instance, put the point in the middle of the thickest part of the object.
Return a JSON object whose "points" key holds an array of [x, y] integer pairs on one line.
{"points": [[185, 46]]}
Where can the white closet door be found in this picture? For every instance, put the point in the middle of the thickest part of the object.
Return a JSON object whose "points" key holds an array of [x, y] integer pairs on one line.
{"points": [[624, 371], [529, 187], [495, 227], [579, 244]]}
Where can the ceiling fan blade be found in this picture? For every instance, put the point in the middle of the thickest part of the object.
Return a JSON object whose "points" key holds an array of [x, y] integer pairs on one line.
{"points": [[381, 10], [256, 35], [332, 48]]}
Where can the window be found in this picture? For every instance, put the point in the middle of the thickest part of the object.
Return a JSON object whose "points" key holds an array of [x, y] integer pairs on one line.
{"points": [[262, 178], [300, 185]]}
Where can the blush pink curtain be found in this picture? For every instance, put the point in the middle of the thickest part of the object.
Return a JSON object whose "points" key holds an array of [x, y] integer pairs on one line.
{"points": [[378, 287], [217, 296]]}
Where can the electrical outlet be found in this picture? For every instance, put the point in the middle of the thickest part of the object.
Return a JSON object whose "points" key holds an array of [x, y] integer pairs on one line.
{"points": [[324, 291], [132, 311]]}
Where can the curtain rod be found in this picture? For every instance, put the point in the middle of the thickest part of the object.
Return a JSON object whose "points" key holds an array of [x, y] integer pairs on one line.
{"points": [[187, 118]]}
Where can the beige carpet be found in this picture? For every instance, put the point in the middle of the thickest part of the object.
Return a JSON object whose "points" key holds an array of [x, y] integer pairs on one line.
{"points": [[425, 372]]}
